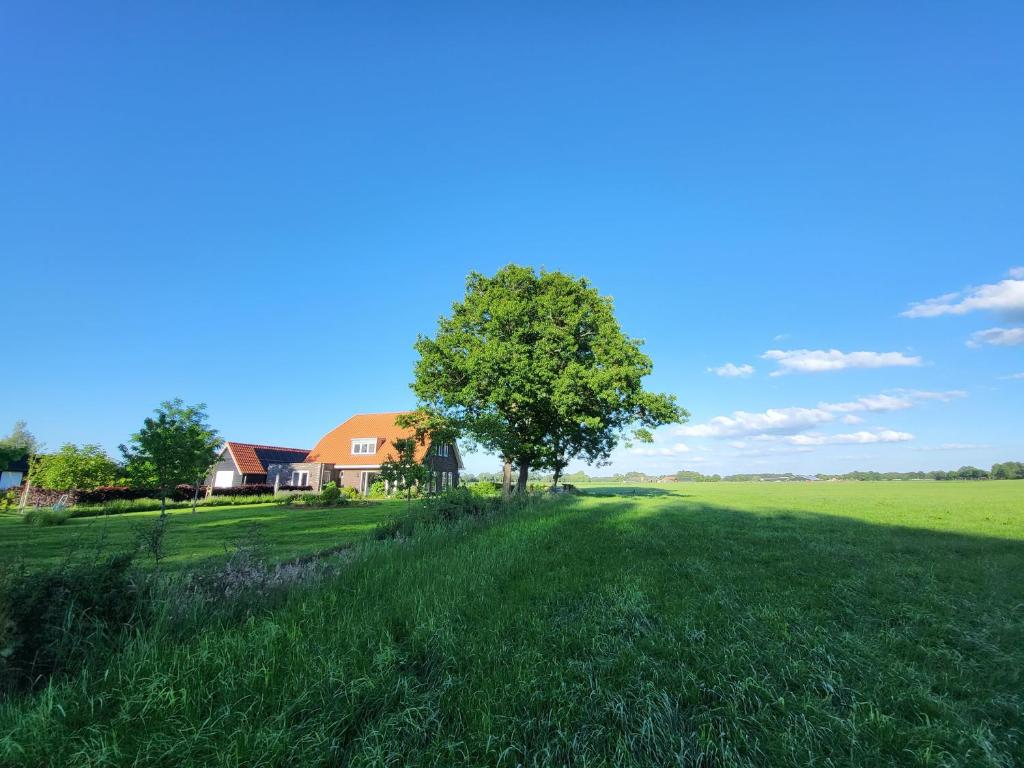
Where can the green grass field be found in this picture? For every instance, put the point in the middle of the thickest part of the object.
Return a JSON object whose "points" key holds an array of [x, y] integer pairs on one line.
{"points": [[285, 532], [849, 624]]}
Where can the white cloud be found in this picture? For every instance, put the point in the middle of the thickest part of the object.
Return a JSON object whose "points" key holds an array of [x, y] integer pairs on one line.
{"points": [[674, 450], [859, 438], [782, 421], [1012, 377], [999, 337], [773, 420], [818, 360], [732, 370], [851, 419], [1006, 296]]}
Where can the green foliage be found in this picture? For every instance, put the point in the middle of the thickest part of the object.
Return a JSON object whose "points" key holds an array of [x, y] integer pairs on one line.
{"points": [[1009, 470], [534, 367], [486, 489], [377, 490], [330, 494], [177, 447], [442, 509], [19, 444], [57, 616], [74, 467], [9, 500], [403, 472], [45, 516]]}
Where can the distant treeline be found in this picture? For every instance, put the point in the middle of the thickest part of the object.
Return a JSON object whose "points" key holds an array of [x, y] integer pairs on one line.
{"points": [[1009, 470]]}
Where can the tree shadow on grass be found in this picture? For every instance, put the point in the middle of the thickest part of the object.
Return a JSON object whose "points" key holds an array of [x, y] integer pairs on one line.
{"points": [[627, 491]]}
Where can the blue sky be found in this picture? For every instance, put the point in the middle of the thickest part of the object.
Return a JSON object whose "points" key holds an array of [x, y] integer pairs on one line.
{"points": [[260, 206]]}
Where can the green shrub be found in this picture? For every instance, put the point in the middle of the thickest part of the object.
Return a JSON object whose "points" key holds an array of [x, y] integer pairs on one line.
{"points": [[483, 488], [10, 500], [44, 516], [377, 490], [56, 619], [350, 493], [444, 508], [330, 494], [304, 500]]}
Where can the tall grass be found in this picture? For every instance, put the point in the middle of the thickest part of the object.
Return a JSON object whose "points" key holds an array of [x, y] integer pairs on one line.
{"points": [[627, 631]]}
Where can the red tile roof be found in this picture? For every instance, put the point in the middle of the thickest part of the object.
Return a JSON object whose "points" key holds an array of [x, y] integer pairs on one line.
{"points": [[251, 458], [336, 446]]}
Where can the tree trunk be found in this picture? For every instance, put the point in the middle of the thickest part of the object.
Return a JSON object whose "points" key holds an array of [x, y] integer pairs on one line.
{"points": [[524, 475], [506, 479], [195, 498], [558, 474], [163, 503]]}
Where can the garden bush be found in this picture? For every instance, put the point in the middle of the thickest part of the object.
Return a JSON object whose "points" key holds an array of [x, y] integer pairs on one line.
{"points": [[444, 508], [45, 516], [10, 499], [483, 488], [330, 494]]}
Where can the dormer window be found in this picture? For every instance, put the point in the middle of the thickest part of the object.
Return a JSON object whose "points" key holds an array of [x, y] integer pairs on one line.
{"points": [[364, 445], [442, 451]]}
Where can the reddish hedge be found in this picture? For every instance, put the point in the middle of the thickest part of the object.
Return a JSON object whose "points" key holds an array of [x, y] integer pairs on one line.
{"points": [[106, 493]]}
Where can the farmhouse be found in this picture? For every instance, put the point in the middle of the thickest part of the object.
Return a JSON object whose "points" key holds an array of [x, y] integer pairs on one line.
{"points": [[350, 455], [247, 463]]}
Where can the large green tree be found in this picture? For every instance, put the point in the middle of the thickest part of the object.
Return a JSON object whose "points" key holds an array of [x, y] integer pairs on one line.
{"points": [[73, 467], [535, 367], [175, 447]]}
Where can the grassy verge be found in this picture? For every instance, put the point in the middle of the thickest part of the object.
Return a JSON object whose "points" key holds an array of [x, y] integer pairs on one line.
{"points": [[767, 628]]}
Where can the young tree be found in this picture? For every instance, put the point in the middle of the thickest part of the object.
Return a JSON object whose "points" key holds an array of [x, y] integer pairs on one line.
{"points": [[73, 467], [535, 367], [404, 471], [176, 447]]}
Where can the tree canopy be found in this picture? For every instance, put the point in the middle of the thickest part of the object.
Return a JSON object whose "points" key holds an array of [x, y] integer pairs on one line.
{"points": [[535, 367], [74, 467], [176, 447], [18, 445]]}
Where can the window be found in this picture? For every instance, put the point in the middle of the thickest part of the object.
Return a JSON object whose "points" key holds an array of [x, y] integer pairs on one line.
{"points": [[364, 445], [442, 451], [300, 478], [446, 481]]}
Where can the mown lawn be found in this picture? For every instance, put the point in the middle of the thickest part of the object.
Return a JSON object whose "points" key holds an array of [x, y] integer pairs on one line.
{"points": [[284, 532], [860, 624]]}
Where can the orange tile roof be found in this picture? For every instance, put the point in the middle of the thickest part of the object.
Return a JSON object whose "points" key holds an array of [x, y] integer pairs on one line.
{"points": [[249, 461], [336, 446]]}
